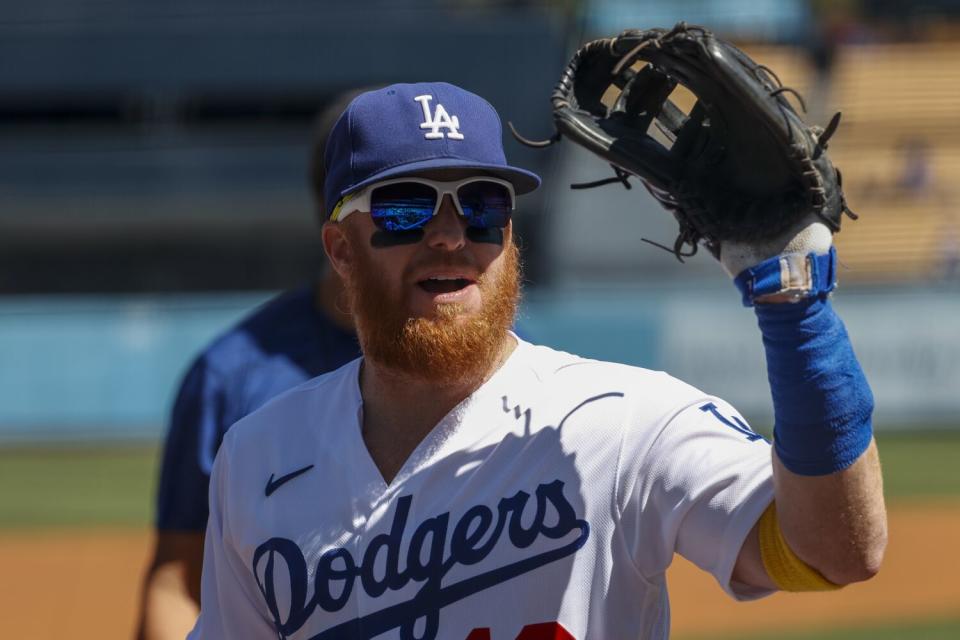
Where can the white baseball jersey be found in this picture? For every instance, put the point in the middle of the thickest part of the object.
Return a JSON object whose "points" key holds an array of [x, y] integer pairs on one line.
{"points": [[547, 505]]}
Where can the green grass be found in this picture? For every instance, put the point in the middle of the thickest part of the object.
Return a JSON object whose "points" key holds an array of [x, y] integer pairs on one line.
{"points": [[932, 630], [77, 486], [90, 486], [87, 485], [925, 465]]}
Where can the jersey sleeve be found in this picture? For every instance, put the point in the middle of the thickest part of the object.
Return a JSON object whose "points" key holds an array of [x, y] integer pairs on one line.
{"points": [[197, 424], [229, 608], [700, 487]]}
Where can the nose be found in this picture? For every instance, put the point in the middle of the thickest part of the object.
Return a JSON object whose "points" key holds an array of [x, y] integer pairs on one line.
{"points": [[446, 230]]}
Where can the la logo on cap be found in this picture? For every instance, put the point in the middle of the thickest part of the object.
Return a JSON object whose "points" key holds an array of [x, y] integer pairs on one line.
{"points": [[440, 119]]}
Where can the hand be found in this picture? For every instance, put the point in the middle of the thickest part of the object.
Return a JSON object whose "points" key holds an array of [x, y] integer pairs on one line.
{"points": [[810, 235]]}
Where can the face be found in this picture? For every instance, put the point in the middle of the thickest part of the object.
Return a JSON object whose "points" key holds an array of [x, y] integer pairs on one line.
{"points": [[437, 308]]}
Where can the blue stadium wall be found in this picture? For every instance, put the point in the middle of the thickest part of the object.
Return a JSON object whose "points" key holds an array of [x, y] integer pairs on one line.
{"points": [[86, 368]]}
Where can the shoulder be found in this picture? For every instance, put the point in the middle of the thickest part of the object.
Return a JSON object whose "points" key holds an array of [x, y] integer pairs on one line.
{"points": [[559, 371], [243, 341], [607, 406], [295, 303], [235, 348], [303, 414]]}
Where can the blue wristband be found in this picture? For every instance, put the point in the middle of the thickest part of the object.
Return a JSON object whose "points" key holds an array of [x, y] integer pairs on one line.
{"points": [[788, 278], [821, 400]]}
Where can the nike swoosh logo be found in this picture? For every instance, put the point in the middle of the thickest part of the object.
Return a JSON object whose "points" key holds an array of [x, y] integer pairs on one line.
{"points": [[273, 485]]}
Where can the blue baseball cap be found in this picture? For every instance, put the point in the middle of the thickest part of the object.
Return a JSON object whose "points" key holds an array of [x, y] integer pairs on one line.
{"points": [[409, 129]]}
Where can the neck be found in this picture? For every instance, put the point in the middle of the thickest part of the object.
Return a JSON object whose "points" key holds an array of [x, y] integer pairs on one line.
{"points": [[399, 410]]}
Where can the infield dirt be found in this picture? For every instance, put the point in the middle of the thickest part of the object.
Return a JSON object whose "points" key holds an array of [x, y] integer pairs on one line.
{"points": [[84, 584]]}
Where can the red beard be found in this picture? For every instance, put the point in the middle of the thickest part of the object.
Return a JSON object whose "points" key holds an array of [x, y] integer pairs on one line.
{"points": [[448, 349]]}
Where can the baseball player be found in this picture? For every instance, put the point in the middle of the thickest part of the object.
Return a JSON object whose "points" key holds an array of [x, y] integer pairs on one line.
{"points": [[291, 339], [458, 482]]}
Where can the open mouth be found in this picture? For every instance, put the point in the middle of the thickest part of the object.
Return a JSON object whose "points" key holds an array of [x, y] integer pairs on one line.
{"points": [[444, 285]]}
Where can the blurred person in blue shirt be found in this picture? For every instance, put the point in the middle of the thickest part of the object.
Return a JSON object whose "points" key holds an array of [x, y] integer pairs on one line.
{"points": [[289, 340]]}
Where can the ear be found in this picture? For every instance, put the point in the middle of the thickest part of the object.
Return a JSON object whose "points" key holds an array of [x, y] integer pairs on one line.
{"points": [[337, 247]]}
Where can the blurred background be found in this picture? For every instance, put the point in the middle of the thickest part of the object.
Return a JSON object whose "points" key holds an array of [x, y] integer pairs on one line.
{"points": [[153, 190]]}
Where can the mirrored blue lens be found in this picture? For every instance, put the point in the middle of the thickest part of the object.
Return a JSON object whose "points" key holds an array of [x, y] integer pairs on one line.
{"points": [[402, 206], [485, 204], [405, 206]]}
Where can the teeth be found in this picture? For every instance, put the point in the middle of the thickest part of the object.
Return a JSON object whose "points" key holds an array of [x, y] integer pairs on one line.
{"points": [[445, 278]]}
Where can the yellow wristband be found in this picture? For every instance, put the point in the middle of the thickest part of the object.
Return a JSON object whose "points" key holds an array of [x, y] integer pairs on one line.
{"points": [[787, 571]]}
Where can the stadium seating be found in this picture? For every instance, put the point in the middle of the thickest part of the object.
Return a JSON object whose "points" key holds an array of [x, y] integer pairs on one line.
{"points": [[899, 149]]}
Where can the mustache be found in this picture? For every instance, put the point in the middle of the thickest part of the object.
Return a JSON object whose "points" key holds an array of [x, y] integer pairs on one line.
{"points": [[445, 261]]}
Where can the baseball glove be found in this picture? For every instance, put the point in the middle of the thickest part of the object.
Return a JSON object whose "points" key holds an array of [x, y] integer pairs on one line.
{"points": [[741, 166]]}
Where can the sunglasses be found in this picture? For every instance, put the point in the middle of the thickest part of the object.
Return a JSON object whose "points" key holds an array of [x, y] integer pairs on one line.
{"points": [[406, 204]]}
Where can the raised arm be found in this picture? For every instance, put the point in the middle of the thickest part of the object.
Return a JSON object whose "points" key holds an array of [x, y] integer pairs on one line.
{"points": [[748, 179], [827, 526]]}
